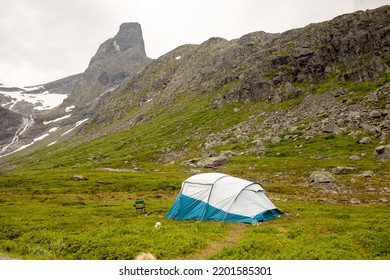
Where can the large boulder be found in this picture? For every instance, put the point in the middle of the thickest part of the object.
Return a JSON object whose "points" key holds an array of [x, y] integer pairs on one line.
{"points": [[213, 162], [319, 177]]}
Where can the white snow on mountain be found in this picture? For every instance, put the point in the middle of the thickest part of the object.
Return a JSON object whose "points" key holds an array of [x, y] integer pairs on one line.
{"points": [[42, 101], [58, 119], [69, 108], [76, 125]]}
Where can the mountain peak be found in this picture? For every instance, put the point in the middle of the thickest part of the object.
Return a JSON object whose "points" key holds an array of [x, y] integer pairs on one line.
{"points": [[129, 39], [116, 59], [129, 36]]}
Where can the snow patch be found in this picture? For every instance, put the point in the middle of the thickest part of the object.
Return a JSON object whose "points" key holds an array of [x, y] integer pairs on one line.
{"points": [[178, 57], [52, 143], [53, 129], [41, 101], [57, 120], [40, 138], [76, 125], [69, 108]]}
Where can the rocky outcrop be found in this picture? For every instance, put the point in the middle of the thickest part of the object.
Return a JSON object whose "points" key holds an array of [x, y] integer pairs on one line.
{"points": [[116, 59], [321, 177], [355, 47], [10, 123]]}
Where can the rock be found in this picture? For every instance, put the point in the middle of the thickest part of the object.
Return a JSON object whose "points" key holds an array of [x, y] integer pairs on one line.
{"points": [[79, 178], [276, 140], [208, 153], [365, 140], [367, 174], [213, 162], [190, 162], [321, 177], [228, 154], [355, 201], [355, 158], [344, 170], [375, 114], [382, 153], [383, 200], [332, 128]]}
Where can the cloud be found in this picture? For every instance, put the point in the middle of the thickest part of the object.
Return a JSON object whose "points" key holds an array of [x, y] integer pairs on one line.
{"points": [[46, 40]]}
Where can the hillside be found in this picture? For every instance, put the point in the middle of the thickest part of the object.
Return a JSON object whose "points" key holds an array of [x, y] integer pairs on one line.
{"points": [[305, 113]]}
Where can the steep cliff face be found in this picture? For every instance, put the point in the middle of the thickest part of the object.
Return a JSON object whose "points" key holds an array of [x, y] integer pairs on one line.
{"points": [[116, 59]]}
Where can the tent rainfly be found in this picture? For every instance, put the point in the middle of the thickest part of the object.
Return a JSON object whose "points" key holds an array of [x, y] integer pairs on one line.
{"points": [[217, 196]]}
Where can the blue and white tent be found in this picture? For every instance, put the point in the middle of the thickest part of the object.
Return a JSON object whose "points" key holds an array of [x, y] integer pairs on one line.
{"points": [[217, 196]]}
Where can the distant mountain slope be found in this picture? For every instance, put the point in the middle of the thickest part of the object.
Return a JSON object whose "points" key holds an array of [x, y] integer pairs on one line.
{"points": [[349, 49]]}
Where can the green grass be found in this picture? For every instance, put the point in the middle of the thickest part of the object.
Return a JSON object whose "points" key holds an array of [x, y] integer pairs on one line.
{"points": [[64, 219], [312, 231]]}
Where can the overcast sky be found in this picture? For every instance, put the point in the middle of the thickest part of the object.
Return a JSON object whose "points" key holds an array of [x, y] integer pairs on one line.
{"points": [[45, 40]]}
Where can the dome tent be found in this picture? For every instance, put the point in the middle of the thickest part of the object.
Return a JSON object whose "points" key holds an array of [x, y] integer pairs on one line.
{"points": [[217, 196]]}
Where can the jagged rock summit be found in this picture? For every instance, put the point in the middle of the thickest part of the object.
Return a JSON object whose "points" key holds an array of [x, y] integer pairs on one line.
{"points": [[119, 57], [116, 59]]}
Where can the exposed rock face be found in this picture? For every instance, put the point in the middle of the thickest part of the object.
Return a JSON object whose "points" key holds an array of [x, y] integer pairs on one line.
{"points": [[310, 54], [9, 124], [116, 59]]}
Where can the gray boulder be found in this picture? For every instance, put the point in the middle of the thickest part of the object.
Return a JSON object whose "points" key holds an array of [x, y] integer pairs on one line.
{"points": [[213, 162], [318, 177]]}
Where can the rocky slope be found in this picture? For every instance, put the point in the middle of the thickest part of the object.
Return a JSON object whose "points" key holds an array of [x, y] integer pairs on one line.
{"points": [[335, 68]]}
